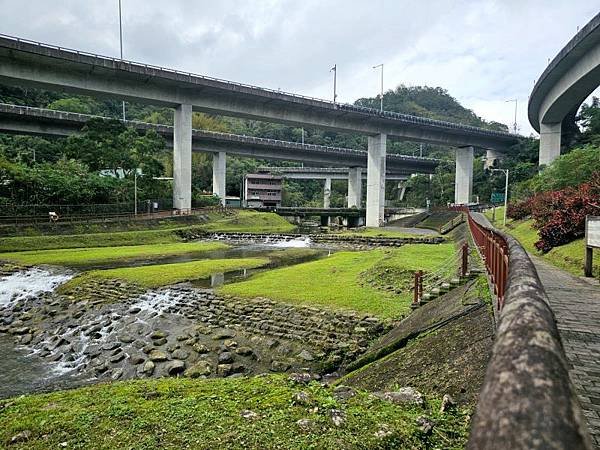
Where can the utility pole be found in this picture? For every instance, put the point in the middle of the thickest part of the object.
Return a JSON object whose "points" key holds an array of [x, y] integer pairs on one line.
{"points": [[515, 127], [121, 45], [381, 98], [135, 192], [334, 70]]}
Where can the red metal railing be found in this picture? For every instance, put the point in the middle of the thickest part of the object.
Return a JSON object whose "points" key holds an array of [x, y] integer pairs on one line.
{"points": [[494, 252]]}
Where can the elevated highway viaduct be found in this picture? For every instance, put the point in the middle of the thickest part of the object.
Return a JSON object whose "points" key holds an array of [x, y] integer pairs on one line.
{"points": [[28, 63], [46, 122], [561, 89]]}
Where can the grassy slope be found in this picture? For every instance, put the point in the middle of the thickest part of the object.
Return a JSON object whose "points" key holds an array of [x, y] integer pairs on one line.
{"points": [[79, 256], [569, 257], [336, 281], [244, 221], [206, 414], [251, 222], [165, 274]]}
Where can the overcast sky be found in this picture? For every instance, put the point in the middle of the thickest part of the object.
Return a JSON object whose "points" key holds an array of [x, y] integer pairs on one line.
{"points": [[483, 52]]}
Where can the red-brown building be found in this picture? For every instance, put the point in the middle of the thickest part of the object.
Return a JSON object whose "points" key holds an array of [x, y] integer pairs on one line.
{"points": [[262, 190]]}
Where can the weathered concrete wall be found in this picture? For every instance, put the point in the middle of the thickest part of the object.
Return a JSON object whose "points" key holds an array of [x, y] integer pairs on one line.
{"points": [[527, 401]]}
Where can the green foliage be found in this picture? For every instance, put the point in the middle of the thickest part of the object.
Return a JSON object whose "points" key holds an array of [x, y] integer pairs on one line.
{"points": [[180, 413], [570, 170], [251, 222]]}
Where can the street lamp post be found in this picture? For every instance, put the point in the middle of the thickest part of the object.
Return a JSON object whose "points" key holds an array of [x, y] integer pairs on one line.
{"points": [[505, 172], [381, 98], [334, 70], [515, 127]]}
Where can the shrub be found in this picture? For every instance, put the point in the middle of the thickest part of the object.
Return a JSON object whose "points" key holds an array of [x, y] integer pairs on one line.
{"points": [[559, 216], [519, 210]]}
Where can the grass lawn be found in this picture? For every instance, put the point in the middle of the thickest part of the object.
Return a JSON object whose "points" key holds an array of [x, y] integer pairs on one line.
{"points": [[82, 256], [250, 222], [256, 413], [382, 232], [569, 257], [165, 274], [338, 281]]}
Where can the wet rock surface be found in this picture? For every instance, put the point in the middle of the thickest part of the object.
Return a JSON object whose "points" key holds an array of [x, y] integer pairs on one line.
{"points": [[175, 331]]}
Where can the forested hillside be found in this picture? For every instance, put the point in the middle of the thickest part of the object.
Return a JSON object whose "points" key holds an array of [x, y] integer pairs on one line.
{"points": [[36, 170]]}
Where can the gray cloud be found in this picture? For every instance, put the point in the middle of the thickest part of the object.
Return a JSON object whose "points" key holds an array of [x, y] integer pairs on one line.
{"points": [[483, 51]]}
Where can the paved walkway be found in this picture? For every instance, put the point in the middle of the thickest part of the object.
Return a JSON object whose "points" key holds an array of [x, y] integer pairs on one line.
{"points": [[576, 305]]}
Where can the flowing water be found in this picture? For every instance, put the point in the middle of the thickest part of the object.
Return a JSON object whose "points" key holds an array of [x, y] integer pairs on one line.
{"points": [[23, 369]]}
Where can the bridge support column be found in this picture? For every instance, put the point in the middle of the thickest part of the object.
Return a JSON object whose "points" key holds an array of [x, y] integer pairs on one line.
{"points": [[354, 187], [463, 181], [327, 193], [219, 175], [550, 134], [492, 158], [376, 180], [182, 158]]}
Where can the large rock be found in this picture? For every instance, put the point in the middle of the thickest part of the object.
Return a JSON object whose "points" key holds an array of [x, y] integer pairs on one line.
{"points": [[223, 333], [225, 358], [180, 354], [403, 396], [200, 369], [157, 355], [148, 368]]}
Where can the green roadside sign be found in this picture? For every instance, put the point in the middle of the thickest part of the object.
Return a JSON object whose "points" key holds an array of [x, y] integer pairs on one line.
{"points": [[497, 197]]}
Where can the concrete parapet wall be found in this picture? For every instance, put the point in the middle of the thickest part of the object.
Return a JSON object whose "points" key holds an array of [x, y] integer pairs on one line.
{"points": [[527, 400]]}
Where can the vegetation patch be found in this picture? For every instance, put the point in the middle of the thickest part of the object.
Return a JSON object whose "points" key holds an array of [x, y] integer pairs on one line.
{"points": [[264, 412], [336, 282], [165, 274], [249, 222], [569, 257], [83, 256]]}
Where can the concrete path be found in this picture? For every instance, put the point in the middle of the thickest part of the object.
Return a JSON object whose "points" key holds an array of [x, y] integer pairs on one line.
{"points": [[576, 305]]}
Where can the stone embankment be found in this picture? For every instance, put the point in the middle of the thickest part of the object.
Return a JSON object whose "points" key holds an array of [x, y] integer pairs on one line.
{"points": [[119, 333]]}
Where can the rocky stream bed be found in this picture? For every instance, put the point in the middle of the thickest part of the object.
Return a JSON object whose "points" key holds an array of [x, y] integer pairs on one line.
{"points": [[112, 330]]}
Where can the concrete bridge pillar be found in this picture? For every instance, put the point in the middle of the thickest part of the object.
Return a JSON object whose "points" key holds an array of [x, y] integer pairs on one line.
{"points": [[550, 134], [219, 175], [354, 187], [182, 158], [492, 157], [327, 193], [376, 180], [463, 181]]}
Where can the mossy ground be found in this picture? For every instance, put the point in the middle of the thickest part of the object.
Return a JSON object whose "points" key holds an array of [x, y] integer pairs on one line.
{"points": [[209, 414], [165, 274], [569, 257], [249, 221], [338, 281], [94, 255]]}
